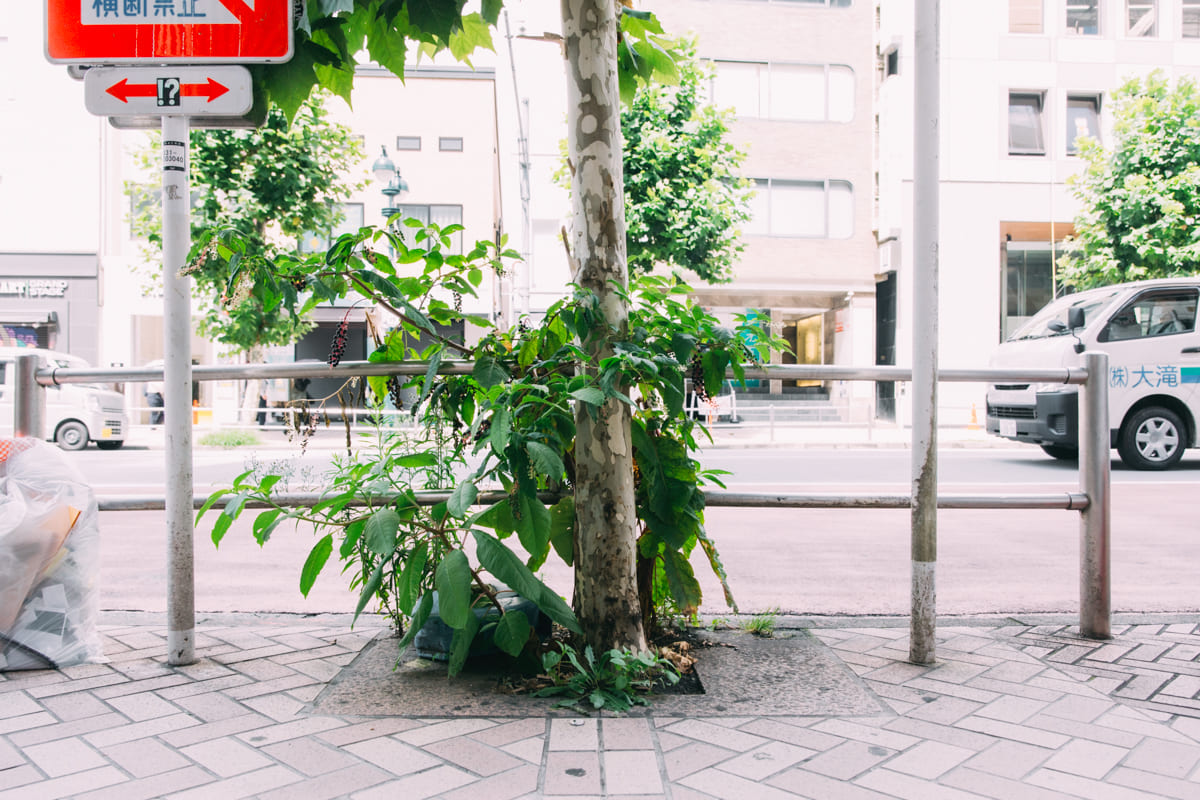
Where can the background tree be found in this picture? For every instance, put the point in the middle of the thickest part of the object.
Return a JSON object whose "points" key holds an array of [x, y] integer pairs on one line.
{"points": [[684, 203], [1140, 197]]}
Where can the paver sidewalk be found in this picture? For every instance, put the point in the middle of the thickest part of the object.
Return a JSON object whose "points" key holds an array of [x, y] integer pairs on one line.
{"points": [[1012, 709]]}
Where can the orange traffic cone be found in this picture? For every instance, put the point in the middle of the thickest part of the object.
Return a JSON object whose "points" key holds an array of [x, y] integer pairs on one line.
{"points": [[973, 425]]}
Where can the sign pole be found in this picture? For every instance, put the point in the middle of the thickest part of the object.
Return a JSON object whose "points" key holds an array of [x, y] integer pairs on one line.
{"points": [[177, 392]]}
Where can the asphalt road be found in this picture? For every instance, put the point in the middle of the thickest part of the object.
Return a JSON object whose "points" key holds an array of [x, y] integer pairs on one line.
{"points": [[811, 561]]}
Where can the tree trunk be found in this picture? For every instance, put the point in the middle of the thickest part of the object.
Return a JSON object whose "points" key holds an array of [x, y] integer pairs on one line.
{"points": [[248, 412], [606, 592]]}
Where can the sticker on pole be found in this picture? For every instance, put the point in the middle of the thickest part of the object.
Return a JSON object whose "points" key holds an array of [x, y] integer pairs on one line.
{"points": [[168, 91], [168, 31]]}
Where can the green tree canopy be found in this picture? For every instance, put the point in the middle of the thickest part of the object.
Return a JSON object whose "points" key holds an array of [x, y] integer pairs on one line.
{"points": [[684, 203], [272, 184], [1141, 196]]}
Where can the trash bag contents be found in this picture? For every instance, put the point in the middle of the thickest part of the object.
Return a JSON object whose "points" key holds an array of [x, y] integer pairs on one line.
{"points": [[49, 560]]}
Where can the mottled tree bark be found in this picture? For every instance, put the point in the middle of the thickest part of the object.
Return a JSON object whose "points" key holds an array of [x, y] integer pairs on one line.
{"points": [[606, 592]]}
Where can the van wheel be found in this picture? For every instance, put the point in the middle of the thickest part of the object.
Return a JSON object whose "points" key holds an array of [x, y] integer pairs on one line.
{"points": [[1152, 439], [1061, 451], [71, 436], [110, 445]]}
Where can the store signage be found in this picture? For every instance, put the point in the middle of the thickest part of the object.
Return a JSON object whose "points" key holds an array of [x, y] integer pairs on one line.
{"points": [[168, 31], [33, 287]]}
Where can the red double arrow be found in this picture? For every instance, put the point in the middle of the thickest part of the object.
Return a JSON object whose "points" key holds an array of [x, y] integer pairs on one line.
{"points": [[123, 90]]}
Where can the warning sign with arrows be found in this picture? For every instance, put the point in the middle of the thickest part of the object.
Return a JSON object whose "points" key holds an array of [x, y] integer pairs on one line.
{"points": [[168, 91], [168, 31]]}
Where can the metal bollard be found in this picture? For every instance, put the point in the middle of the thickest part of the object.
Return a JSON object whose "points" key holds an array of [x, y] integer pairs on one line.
{"points": [[29, 405], [1095, 475]]}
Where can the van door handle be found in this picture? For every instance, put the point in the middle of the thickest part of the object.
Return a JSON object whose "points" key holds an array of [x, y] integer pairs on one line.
{"points": [[1190, 350]]}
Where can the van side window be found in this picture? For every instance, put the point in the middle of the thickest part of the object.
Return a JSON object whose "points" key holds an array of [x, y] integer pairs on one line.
{"points": [[1152, 314]]}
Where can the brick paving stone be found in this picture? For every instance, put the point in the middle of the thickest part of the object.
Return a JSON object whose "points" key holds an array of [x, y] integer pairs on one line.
{"points": [[143, 706], [725, 786], [140, 730], [48, 731], [848, 760], [396, 757], [574, 734], [952, 690], [693, 757], [505, 786], [219, 684], [18, 704], [25, 722], [1006, 730], [214, 730], [1182, 686], [309, 756], [440, 730], [957, 671], [152, 786], [944, 710], [1172, 759], [257, 689], [108, 678], [289, 730], [1153, 784], [1013, 671], [510, 732], [20, 775], [631, 772], [628, 733], [530, 750], [573, 771], [71, 707], [473, 755], [852, 729], [281, 707], [1078, 786], [1011, 709], [71, 785], [1143, 686], [1010, 688], [985, 784], [947, 734], [145, 757], [929, 760], [896, 673], [906, 786], [9, 756], [418, 786], [226, 757], [210, 706], [705, 731], [341, 783], [64, 756], [767, 760], [820, 787], [1089, 759], [1082, 730], [1109, 652], [249, 784], [1009, 759], [370, 729]]}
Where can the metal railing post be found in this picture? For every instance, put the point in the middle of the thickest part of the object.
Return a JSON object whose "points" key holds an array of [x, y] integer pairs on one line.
{"points": [[1095, 475], [29, 404]]}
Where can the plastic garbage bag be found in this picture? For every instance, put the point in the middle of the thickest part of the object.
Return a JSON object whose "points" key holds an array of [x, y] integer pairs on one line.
{"points": [[49, 560]]}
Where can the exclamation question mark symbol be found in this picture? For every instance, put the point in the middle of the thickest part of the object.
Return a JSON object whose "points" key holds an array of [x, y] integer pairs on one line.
{"points": [[168, 91]]}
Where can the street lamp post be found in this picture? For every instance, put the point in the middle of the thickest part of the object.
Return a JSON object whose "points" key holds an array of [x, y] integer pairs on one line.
{"points": [[395, 187]]}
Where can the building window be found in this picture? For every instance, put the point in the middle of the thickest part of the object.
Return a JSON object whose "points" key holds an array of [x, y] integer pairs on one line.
{"points": [[1024, 16], [891, 61], [1083, 17], [1141, 17], [804, 209], [453, 144], [794, 92], [1028, 283], [1083, 119], [441, 216], [1025, 124], [1190, 26], [408, 142]]}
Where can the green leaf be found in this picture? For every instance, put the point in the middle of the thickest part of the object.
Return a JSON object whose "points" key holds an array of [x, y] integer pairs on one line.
{"points": [[562, 529], [369, 589], [219, 528], [435, 362], [507, 568], [453, 581], [409, 583], [381, 532], [354, 532], [500, 430], [512, 633], [499, 517], [417, 460], [419, 618], [685, 589], [489, 372], [265, 523], [533, 528], [212, 499], [460, 644], [462, 498], [317, 557], [545, 460], [590, 395]]}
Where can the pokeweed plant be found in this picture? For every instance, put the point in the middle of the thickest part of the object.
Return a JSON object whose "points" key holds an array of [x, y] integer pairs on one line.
{"points": [[497, 444]]}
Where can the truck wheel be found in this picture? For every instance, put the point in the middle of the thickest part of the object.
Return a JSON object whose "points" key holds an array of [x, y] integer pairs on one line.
{"points": [[110, 445], [1061, 451], [71, 435], [1152, 439]]}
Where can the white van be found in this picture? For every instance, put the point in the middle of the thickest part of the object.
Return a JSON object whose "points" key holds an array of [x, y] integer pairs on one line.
{"points": [[1148, 329], [75, 413]]}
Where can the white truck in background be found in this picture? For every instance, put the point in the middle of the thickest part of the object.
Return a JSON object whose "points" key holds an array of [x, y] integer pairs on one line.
{"points": [[75, 413], [1148, 330]]}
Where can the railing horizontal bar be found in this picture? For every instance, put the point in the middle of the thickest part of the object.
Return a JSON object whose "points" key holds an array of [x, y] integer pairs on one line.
{"points": [[1066, 501], [349, 369]]}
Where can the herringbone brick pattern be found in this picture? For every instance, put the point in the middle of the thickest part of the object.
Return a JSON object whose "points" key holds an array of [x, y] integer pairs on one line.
{"points": [[1009, 711]]}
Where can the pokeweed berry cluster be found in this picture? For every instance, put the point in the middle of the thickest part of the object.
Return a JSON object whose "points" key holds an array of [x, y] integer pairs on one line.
{"points": [[393, 385], [339, 343], [697, 376]]}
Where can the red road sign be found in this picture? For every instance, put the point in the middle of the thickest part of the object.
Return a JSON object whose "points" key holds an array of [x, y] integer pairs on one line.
{"points": [[168, 31]]}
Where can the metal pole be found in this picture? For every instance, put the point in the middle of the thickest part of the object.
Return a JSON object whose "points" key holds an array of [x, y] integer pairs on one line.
{"points": [[29, 403], [177, 393], [923, 622], [1095, 472]]}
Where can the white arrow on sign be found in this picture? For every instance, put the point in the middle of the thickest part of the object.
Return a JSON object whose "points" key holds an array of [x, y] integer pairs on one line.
{"points": [[168, 91]]}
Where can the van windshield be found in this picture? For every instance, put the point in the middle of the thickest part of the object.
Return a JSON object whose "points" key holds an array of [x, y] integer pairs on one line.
{"points": [[1040, 324]]}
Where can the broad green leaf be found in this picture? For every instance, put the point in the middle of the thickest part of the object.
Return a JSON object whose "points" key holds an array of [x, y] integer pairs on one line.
{"points": [[545, 460], [354, 532], [499, 517], [264, 524], [562, 529], [317, 557], [219, 528], [512, 632], [460, 644], [212, 499], [419, 618], [507, 568], [533, 528], [417, 460], [489, 372], [268, 483], [685, 589], [381, 532], [435, 362], [409, 583], [682, 345], [369, 589], [500, 430], [453, 581], [590, 395], [462, 498]]}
